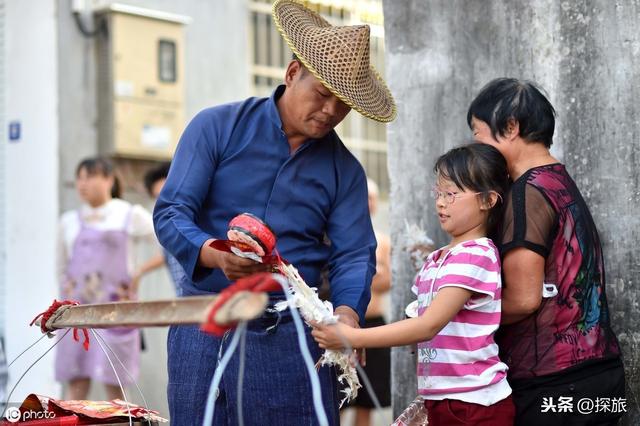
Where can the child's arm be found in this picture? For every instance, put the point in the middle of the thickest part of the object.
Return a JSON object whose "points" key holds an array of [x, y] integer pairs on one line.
{"points": [[153, 263], [447, 303]]}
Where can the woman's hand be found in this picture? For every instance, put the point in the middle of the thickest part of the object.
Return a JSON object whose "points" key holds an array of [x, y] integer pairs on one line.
{"points": [[334, 336]]}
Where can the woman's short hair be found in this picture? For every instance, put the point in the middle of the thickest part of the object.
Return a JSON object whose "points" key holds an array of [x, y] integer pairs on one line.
{"points": [[505, 99]]}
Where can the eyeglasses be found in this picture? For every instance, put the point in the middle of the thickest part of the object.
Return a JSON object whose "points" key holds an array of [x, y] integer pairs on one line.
{"points": [[448, 196]]}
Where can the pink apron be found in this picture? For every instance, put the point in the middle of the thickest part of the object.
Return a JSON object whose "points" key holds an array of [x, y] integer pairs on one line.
{"points": [[97, 273]]}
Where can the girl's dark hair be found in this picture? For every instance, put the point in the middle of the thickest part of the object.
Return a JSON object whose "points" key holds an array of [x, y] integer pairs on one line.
{"points": [[505, 99], [101, 165], [479, 168]]}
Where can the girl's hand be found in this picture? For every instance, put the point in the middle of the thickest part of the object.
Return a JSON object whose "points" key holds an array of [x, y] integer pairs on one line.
{"points": [[334, 336]]}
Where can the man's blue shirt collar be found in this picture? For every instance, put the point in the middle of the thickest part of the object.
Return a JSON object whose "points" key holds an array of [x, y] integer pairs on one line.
{"points": [[272, 106]]}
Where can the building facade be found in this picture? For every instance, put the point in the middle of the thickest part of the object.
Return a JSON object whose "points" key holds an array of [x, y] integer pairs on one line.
{"points": [[52, 115]]}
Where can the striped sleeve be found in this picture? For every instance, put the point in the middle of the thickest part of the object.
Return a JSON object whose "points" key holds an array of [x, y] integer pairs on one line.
{"points": [[414, 286], [475, 267]]}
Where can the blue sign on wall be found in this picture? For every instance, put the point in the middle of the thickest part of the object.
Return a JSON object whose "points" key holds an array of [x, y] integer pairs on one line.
{"points": [[14, 131]]}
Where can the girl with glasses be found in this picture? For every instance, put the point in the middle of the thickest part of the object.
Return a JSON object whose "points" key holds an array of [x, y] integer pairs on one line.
{"points": [[460, 376]]}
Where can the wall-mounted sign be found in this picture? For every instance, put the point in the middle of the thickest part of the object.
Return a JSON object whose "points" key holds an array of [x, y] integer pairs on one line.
{"points": [[14, 131]]}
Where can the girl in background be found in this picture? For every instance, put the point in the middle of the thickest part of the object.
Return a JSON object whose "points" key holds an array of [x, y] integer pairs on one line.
{"points": [[97, 264], [460, 376]]}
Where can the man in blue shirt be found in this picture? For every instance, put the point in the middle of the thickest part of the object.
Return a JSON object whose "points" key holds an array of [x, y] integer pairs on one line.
{"points": [[279, 159]]}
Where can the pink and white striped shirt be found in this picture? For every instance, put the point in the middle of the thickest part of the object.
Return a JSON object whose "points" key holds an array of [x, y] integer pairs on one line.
{"points": [[461, 361]]}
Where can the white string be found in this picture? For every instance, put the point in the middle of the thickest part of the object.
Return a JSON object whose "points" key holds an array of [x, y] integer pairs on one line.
{"points": [[368, 387], [304, 349], [30, 346], [362, 374], [306, 355], [217, 375], [124, 395], [6, 403], [242, 354], [146, 404]]}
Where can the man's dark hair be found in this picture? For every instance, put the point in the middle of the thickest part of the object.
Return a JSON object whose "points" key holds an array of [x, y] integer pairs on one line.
{"points": [[156, 174], [479, 168], [305, 71], [505, 99]]}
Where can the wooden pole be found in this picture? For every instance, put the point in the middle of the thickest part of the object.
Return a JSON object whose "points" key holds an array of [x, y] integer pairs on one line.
{"points": [[243, 305]]}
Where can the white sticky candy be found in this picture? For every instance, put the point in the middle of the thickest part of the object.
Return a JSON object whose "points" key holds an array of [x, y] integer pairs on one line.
{"points": [[241, 237]]}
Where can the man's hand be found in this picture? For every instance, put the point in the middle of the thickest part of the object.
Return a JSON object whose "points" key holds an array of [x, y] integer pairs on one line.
{"points": [[234, 267], [348, 316]]}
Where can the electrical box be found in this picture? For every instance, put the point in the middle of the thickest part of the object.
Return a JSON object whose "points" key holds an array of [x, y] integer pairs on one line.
{"points": [[140, 82]]}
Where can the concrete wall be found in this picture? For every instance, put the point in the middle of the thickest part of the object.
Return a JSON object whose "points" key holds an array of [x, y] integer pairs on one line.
{"points": [[587, 56], [31, 191]]}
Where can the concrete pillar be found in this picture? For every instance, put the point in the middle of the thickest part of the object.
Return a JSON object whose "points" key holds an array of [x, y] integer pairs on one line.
{"points": [[587, 56], [31, 188]]}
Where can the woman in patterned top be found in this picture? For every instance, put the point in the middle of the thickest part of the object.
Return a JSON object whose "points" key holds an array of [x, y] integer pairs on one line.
{"points": [[555, 336], [460, 376]]}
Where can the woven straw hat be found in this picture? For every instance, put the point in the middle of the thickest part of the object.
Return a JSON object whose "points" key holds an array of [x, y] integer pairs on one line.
{"points": [[337, 56]]}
